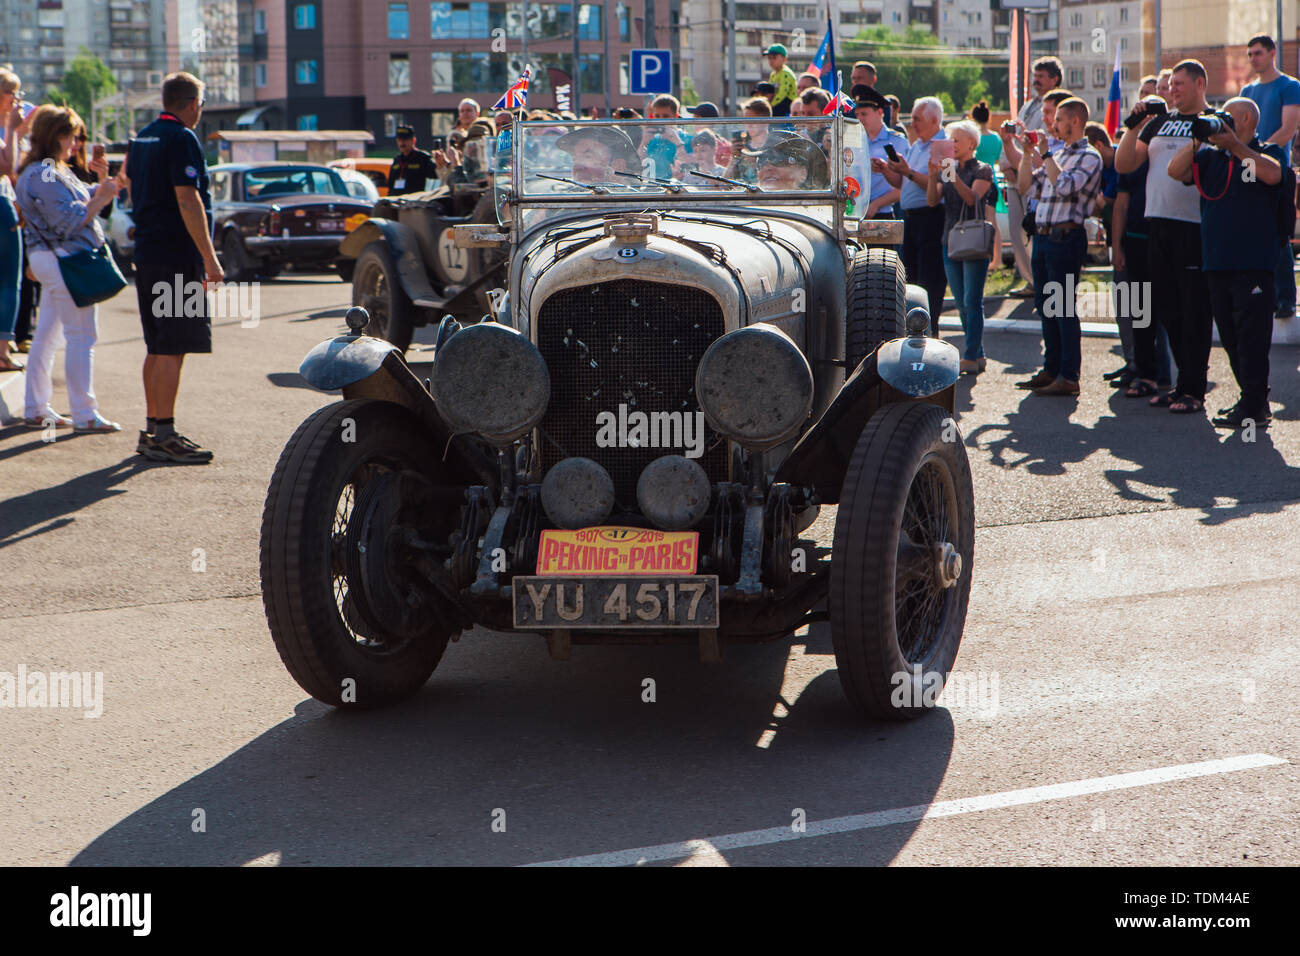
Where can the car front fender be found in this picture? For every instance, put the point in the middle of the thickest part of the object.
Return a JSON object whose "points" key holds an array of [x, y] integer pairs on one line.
{"points": [[820, 458], [343, 361], [404, 245]]}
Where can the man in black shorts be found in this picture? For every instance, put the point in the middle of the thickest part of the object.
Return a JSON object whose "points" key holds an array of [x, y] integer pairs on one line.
{"points": [[174, 260]]}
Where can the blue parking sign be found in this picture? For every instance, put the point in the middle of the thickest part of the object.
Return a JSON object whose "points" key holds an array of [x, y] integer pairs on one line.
{"points": [[652, 72]]}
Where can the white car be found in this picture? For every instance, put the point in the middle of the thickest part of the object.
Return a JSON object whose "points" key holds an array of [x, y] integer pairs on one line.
{"points": [[360, 186], [121, 233]]}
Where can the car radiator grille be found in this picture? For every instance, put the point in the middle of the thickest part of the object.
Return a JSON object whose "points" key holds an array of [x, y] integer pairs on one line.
{"points": [[625, 342]]}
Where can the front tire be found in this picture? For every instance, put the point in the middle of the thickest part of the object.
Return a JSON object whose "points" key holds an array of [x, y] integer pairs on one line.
{"points": [[903, 555], [375, 287], [876, 304], [317, 497]]}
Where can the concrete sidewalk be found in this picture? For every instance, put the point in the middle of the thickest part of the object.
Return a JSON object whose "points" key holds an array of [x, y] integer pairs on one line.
{"points": [[1006, 314]]}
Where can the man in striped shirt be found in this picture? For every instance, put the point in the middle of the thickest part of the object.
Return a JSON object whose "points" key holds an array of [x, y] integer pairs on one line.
{"points": [[1066, 187]]}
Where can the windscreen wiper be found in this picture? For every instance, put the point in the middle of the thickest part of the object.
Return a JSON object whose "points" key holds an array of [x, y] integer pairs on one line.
{"points": [[730, 182], [598, 190], [668, 184]]}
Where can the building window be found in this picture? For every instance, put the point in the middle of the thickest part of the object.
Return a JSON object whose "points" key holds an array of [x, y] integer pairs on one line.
{"points": [[1123, 44], [391, 122], [624, 25], [1123, 14], [311, 121], [589, 22], [304, 16], [1076, 46], [259, 21], [1076, 77], [260, 72], [1098, 75], [305, 72], [399, 73], [399, 21], [441, 63], [1123, 74], [1076, 19]]}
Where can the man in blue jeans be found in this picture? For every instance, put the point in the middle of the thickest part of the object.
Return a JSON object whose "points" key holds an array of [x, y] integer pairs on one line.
{"points": [[1278, 98], [1066, 187]]}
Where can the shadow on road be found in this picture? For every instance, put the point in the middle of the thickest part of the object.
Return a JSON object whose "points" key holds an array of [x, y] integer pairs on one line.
{"points": [[52, 506], [573, 755]]}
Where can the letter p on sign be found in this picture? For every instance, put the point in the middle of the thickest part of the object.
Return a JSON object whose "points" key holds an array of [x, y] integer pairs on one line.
{"points": [[652, 72]]}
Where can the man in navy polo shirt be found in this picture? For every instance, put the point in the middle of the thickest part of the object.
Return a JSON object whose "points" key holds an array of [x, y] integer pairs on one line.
{"points": [[174, 256], [1239, 181]]}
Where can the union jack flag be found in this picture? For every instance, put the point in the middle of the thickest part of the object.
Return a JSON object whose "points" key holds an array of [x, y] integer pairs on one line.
{"points": [[517, 96]]}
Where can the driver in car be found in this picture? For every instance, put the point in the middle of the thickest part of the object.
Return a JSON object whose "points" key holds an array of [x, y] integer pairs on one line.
{"points": [[790, 163], [598, 152]]}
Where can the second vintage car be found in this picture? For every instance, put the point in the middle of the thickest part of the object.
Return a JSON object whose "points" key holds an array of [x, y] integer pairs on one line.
{"points": [[269, 215]]}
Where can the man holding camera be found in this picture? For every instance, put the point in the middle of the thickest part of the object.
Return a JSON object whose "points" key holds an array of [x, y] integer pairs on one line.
{"points": [[1239, 180], [1179, 297], [1048, 75], [1066, 186]]}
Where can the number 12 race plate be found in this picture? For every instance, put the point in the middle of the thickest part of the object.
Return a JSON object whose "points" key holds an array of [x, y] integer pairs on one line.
{"points": [[615, 602]]}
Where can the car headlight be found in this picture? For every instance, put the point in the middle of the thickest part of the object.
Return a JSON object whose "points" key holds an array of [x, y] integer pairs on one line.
{"points": [[755, 386], [489, 379]]}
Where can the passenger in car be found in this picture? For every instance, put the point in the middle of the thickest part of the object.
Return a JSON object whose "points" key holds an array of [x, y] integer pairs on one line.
{"points": [[599, 152]]}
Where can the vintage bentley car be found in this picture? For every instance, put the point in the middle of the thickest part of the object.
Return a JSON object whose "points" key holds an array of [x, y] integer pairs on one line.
{"points": [[406, 269], [682, 374]]}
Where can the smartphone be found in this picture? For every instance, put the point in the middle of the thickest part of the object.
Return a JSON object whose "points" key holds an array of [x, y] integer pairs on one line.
{"points": [[438, 142], [892, 153], [941, 150], [97, 151], [1032, 136]]}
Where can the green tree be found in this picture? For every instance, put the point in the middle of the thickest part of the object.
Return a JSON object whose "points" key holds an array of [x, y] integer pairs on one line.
{"points": [[689, 95], [912, 64], [86, 79]]}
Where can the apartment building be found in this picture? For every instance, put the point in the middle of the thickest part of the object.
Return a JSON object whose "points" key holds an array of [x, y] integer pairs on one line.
{"points": [[1089, 32], [32, 42]]}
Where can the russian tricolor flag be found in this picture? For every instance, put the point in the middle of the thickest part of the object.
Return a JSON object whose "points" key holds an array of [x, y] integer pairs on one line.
{"points": [[1113, 99], [819, 61]]}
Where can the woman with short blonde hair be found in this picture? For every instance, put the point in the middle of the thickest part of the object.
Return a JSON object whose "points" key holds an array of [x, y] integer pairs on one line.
{"points": [[62, 219]]}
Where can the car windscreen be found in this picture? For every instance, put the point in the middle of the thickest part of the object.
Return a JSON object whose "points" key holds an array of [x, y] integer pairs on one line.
{"points": [[263, 183], [794, 156]]}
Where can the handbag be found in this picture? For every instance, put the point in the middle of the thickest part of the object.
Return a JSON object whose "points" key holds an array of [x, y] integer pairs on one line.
{"points": [[90, 275], [970, 238]]}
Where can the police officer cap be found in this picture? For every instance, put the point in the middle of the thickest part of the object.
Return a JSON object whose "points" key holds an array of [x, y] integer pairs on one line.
{"points": [[403, 131], [864, 95]]}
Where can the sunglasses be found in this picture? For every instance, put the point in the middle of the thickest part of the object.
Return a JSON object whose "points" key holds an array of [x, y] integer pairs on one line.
{"points": [[780, 159]]}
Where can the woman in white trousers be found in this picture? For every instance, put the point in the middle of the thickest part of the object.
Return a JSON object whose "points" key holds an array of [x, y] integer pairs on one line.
{"points": [[61, 219]]}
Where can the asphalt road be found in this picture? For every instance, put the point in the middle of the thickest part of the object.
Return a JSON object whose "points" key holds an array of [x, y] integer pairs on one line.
{"points": [[1127, 662]]}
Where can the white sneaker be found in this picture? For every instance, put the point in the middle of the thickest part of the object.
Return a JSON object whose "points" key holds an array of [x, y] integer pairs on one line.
{"points": [[98, 425]]}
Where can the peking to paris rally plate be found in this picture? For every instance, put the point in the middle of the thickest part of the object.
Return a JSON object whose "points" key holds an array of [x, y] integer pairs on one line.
{"points": [[616, 577]]}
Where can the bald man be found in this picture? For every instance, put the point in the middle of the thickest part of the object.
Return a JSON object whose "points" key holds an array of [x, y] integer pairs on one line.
{"points": [[1242, 184]]}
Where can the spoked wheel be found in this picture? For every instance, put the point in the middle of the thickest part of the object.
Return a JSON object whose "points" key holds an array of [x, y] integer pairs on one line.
{"points": [[902, 561], [375, 287], [354, 623]]}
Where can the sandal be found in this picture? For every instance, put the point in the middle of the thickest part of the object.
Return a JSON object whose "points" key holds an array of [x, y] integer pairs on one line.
{"points": [[1186, 405], [11, 366], [1164, 399], [1141, 388]]}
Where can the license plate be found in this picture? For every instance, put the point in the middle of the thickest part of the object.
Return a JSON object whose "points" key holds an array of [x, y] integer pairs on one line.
{"points": [[330, 225], [542, 603]]}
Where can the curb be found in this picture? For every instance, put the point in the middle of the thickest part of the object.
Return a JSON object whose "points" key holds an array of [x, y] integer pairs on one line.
{"points": [[12, 388], [1285, 331]]}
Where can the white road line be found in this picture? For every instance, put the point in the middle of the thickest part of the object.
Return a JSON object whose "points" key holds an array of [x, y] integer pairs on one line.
{"points": [[945, 808]]}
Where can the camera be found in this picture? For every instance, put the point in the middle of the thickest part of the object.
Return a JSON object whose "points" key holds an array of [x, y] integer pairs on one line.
{"points": [[1211, 124], [1151, 106]]}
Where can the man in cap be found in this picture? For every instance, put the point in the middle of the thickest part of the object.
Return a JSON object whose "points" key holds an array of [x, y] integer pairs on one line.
{"points": [[869, 108], [783, 79], [790, 162], [412, 168], [469, 163], [599, 152]]}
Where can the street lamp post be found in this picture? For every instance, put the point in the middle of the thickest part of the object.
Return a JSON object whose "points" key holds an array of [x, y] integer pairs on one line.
{"points": [[731, 56]]}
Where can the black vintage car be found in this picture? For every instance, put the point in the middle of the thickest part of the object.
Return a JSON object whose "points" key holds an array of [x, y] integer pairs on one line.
{"points": [[267, 215], [681, 375]]}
